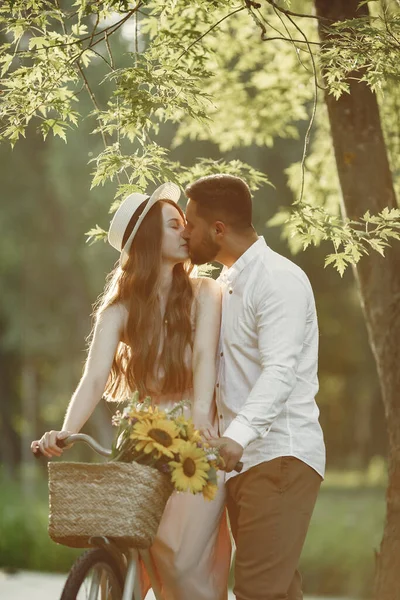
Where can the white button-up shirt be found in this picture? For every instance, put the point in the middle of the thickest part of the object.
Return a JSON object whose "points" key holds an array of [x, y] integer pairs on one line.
{"points": [[267, 377]]}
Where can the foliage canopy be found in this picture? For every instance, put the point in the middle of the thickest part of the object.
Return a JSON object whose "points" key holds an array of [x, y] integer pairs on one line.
{"points": [[235, 75]]}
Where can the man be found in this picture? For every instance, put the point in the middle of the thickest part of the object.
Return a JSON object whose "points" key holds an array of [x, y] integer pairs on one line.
{"points": [[265, 390]]}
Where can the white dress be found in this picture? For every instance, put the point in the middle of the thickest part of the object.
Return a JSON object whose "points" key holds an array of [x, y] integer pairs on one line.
{"points": [[192, 550]]}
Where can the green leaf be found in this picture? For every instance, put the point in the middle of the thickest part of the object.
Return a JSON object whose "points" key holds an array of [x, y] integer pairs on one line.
{"points": [[377, 245], [354, 251], [7, 61], [389, 214], [330, 259], [37, 42], [59, 130], [95, 234], [341, 263]]}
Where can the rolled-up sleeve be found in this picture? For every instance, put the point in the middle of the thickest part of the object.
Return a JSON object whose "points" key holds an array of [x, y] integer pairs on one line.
{"points": [[280, 306]]}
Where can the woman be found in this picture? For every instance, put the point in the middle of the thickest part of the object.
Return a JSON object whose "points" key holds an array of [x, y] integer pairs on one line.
{"points": [[156, 331]]}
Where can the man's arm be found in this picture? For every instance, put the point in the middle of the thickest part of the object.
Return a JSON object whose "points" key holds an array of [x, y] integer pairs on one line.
{"points": [[281, 314]]}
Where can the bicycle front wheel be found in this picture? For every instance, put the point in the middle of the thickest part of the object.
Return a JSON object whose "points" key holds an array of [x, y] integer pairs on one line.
{"points": [[94, 576]]}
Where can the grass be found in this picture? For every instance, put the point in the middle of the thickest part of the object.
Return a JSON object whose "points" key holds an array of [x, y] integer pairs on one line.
{"points": [[346, 529], [338, 557], [24, 543]]}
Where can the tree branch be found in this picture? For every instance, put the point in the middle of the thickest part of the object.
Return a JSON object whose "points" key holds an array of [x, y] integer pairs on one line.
{"points": [[314, 109], [281, 18], [92, 97], [293, 14], [95, 104], [136, 33], [94, 29], [211, 28], [109, 65], [290, 39], [107, 31], [109, 52]]}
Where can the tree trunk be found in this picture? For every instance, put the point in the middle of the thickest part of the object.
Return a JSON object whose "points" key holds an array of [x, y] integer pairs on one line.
{"points": [[366, 183]]}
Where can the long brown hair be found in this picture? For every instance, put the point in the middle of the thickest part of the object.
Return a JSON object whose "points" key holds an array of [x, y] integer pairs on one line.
{"points": [[137, 359]]}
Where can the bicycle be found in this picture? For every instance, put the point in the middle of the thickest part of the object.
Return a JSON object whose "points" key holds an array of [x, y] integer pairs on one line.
{"points": [[107, 571], [111, 570]]}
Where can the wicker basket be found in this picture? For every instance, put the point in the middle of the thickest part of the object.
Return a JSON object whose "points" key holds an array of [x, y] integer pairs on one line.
{"points": [[121, 501]]}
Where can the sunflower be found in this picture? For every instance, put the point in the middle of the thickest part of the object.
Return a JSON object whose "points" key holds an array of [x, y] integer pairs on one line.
{"points": [[209, 491], [141, 413], [187, 429], [159, 435], [189, 474], [193, 433]]}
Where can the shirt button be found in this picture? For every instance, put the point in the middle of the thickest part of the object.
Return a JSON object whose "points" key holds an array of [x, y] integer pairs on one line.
{"points": [[220, 416], [217, 385], [221, 354], [230, 290]]}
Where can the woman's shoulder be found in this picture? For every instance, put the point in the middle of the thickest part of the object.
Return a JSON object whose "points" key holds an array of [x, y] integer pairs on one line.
{"points": [[116, 313], [205, 286]]}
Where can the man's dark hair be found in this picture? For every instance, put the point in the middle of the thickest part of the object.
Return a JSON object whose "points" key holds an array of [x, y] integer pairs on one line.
{"points": [[222, 197]]}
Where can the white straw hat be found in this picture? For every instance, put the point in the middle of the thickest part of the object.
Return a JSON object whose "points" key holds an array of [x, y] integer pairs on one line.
{"points": [[120, 221]]}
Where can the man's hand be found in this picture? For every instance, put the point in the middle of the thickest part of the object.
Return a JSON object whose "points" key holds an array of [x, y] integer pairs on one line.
{"points": [[229, 450]]}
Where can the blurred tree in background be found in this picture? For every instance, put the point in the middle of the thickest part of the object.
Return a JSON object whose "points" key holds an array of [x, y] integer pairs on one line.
{"points": [[162, 85]]}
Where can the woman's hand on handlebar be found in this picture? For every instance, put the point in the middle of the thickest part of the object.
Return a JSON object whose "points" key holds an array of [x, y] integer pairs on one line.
{"points": [[47, 445]]}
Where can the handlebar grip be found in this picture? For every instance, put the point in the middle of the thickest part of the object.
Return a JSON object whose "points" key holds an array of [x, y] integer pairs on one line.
{"points": [[38, 454]]}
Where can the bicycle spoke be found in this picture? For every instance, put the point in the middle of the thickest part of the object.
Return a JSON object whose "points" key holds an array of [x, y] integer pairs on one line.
{"points": [[94, 576], [99, 585], [95, 584]]}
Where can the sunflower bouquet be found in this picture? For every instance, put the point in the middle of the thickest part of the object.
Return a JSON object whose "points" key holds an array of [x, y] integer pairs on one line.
{"points": [[167, 441]]}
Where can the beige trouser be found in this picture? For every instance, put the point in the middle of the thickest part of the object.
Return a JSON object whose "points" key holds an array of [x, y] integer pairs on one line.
{"points": [[270, 508]]}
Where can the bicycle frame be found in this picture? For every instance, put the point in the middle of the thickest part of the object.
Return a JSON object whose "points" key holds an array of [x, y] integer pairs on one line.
{"points": [[128, 561]]}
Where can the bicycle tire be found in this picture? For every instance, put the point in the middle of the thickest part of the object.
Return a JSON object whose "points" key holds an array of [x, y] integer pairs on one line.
{"points": [[81, 568]]}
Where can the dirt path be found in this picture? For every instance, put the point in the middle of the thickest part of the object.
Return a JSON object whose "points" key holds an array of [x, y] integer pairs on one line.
{"points": [[45, 586]]}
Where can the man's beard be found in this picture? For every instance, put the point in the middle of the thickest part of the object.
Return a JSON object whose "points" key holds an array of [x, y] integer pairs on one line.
{"points": [[206, 251]]}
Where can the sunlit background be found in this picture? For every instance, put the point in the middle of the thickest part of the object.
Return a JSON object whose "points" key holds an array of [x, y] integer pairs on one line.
{"points": [[50, 278]]}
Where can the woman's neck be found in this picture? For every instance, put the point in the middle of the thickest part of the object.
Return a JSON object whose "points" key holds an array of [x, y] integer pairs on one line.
{"points": [[165, 280]]}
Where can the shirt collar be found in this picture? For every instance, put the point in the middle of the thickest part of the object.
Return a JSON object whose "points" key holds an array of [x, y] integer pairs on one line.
{"points": [[230, 275]]}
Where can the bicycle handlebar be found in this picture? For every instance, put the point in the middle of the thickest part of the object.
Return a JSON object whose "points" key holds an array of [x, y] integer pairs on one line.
{"points": [[91, 442], [79, 437]]}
